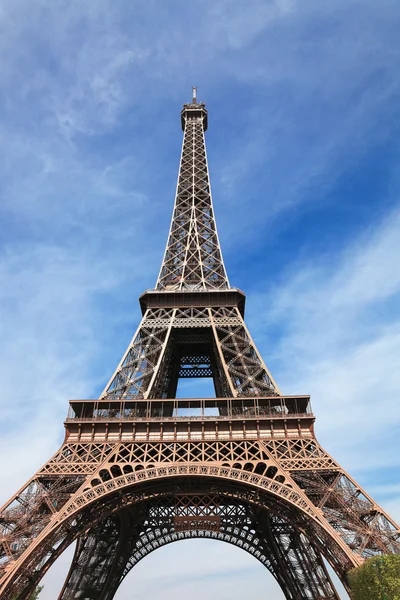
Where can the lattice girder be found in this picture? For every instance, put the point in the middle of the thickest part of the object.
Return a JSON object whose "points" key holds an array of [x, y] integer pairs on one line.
{"points": [[46, 549], [248, 460], [234, 363], [93, 561], [269, 538], [193, 258]]}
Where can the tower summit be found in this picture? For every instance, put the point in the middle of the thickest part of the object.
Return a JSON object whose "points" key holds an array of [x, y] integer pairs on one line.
{"points": [[194, 110], [140, 468]]}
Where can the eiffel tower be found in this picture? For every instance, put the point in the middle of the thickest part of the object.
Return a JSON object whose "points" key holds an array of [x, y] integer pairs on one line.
{"points": [[140, 468]]}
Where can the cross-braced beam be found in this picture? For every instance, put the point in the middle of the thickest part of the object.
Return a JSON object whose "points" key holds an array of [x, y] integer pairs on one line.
{"points": [[193, 258], [99, 566]]}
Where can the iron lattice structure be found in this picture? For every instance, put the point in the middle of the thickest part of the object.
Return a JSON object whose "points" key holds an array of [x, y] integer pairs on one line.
{"points": [[139, 468]]}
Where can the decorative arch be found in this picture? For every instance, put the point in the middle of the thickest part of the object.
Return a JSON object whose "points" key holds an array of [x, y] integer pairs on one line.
{"points": [[93, 502], [169, 519]]}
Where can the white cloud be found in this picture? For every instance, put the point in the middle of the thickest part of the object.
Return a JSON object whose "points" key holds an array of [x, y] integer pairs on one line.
{"points": [[49, 318], [234, 25], [340, 341]]}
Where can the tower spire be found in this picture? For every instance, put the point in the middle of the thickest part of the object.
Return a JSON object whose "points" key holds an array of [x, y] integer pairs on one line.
{"points": [[193, 258]]}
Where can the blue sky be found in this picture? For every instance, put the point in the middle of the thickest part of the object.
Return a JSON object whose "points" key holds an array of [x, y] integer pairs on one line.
{"points": [[303, 149]]}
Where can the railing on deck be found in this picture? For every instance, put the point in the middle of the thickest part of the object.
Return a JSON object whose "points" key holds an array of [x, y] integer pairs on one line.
{"points": [[193, 409]]}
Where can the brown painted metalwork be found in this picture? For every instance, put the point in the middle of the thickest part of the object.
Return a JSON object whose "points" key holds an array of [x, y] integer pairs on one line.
{"points": [[139, 468]]}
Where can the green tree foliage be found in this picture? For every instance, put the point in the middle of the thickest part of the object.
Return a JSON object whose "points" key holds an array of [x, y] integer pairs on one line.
{"points": [[36, 593], [377, 579]]}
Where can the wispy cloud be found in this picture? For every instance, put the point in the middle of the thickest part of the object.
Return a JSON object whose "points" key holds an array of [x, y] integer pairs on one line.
{"points": [[50, 318], [337, 329]]}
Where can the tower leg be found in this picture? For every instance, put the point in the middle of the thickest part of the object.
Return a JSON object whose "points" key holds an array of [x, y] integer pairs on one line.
{"points": [[94, 557], [101, 557], [299, 567]]}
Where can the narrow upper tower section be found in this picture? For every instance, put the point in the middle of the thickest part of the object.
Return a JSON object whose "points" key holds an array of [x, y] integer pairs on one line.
{"points": [[193, 259]]}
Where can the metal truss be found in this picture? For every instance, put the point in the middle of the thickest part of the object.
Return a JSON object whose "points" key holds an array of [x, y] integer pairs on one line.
{"points": [[193, 258], [152, 363], [119, 542], [139, 468], [338, 520]]}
